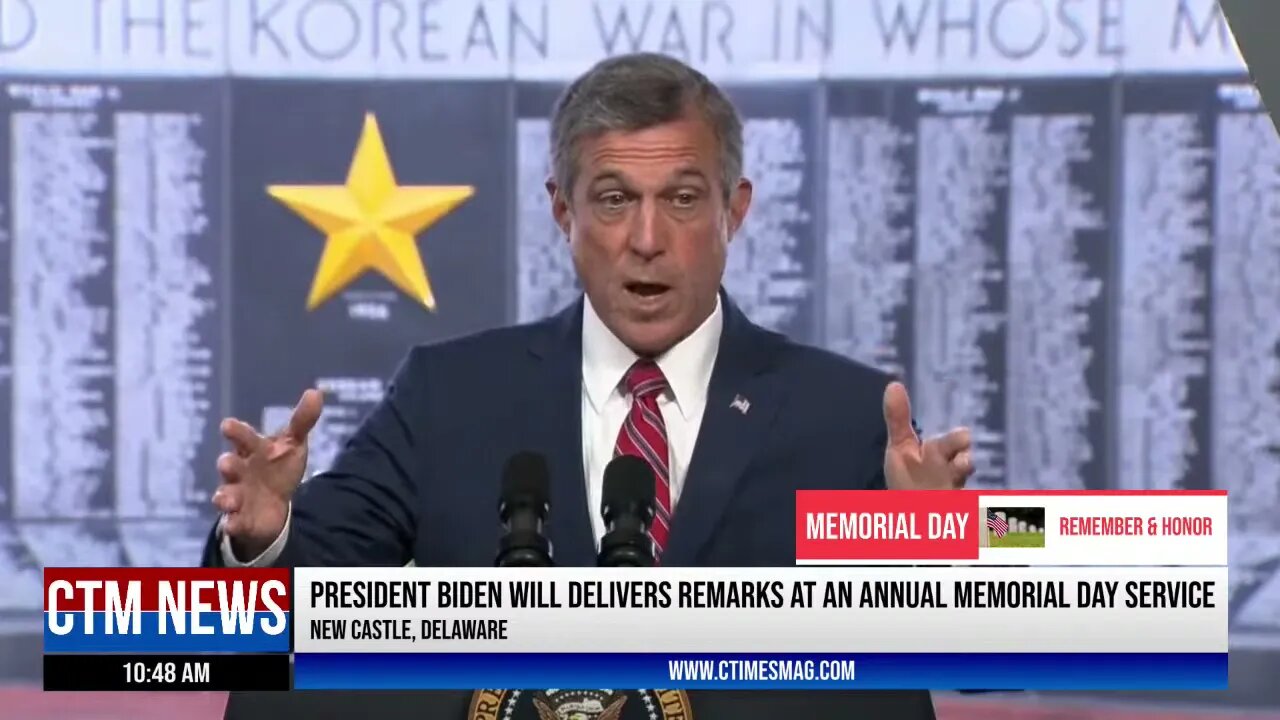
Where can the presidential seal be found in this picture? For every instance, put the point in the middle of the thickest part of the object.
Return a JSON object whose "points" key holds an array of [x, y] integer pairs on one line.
{"points": [[580, 705]]}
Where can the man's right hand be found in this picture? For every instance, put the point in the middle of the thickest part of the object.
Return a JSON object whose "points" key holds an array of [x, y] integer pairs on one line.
{"points": [[260, 476]]}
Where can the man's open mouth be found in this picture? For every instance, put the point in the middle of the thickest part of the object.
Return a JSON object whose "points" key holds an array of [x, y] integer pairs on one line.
{"points": [[646, 289]]}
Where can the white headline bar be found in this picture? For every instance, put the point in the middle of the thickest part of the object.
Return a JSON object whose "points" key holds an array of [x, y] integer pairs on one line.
{"points": [[801, 610]]}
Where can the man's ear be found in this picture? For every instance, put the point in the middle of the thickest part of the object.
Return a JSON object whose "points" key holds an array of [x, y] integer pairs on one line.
{"points": [[559, 205], [739, 203]]}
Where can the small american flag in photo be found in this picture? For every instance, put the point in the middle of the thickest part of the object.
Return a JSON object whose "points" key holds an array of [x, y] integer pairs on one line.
{"points": [[996, 524], [1015, 527]]}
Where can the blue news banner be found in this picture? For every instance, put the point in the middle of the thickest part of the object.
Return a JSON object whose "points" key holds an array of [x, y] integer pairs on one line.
{"points": [[167, 629], [720, 671]]}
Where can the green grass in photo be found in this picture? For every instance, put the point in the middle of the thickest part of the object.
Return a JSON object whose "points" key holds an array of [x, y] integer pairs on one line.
{"points": [[1018, 539]]}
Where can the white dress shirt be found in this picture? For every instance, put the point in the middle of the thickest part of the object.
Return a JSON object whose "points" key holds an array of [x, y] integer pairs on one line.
{"points": [[605, 404]]}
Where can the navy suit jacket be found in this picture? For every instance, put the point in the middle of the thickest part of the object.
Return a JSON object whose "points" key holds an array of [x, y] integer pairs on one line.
{"points": [[420, 479]]}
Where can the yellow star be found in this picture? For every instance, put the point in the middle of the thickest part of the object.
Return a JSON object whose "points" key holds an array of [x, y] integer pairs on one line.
{"points": [[371, 222]]}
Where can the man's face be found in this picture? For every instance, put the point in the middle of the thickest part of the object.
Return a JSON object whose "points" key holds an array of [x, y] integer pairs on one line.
{"points": [[649, 226]]}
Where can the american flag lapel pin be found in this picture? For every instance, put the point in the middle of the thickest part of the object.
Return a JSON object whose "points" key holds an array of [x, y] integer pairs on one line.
{"points": [[740, 404]]}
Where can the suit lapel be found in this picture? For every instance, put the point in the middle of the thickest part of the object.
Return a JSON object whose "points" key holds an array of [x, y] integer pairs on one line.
{"points": [[742, 402], [558, 421]]}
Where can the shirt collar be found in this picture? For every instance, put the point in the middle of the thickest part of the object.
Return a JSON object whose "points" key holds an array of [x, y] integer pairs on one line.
{"points": [[687, 366]]}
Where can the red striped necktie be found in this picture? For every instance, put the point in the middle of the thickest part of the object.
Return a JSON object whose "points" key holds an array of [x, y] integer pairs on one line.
{"points": [[644, 435]]}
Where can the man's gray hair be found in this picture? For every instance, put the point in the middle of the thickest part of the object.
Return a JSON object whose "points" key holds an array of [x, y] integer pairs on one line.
{"points": [[635, 92]]}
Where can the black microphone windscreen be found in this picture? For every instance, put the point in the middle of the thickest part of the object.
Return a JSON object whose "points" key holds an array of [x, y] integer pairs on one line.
{"points": [[628, 479], [526, 478]]}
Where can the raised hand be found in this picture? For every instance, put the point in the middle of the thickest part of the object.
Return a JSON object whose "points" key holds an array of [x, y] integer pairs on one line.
{"points": [[260, 476], [940, 463]]}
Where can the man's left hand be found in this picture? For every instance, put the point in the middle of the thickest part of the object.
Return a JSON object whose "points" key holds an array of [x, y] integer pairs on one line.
{"points": [[939, 463]]}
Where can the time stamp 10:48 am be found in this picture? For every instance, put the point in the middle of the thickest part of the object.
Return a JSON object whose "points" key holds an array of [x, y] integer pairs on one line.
{"points": [[167, 672]]}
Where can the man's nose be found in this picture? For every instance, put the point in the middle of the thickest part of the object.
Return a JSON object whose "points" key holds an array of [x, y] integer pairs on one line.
{"points": [[648, 236]]}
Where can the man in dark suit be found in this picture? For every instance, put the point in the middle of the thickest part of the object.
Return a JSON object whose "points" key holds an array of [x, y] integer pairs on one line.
{"points": [[655, 360]]}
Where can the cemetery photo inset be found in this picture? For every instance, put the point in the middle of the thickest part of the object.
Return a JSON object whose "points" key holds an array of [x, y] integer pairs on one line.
{"points": [[1010, 527]]}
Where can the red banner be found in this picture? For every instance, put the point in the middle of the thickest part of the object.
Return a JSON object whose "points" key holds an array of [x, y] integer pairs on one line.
{"points": [[880, 525]]}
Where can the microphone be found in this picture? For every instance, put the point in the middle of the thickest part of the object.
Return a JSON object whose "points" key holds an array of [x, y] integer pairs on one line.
{"points": [[523, 509], [627, 507]]}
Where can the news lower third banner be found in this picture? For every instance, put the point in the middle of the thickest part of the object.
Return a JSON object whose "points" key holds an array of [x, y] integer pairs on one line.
{"points": [[937, 590], [1051, 590]]}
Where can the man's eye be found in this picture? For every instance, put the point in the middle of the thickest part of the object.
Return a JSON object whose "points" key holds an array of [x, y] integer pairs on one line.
{"points": [[684, 199], [613, 199]]}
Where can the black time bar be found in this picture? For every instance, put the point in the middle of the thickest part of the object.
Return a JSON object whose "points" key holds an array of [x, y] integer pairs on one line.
{"points": [[64, 672]]}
